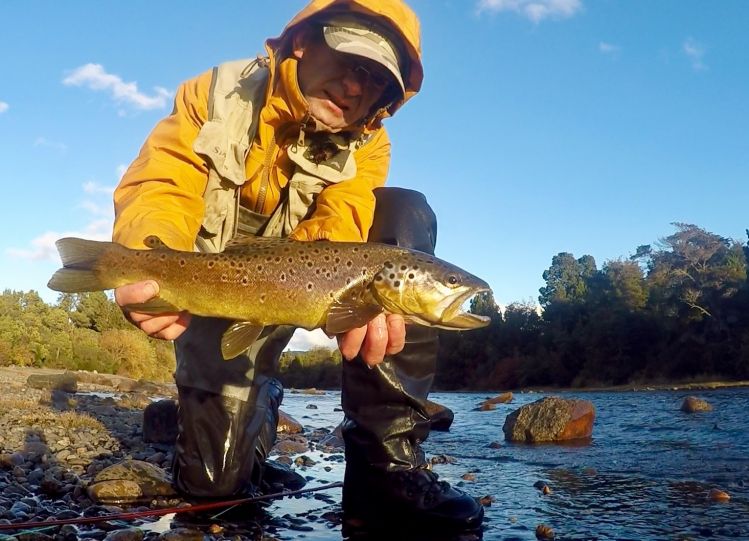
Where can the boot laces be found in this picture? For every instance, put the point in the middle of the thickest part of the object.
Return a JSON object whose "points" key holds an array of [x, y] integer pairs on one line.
{"points": [[422, 481]]}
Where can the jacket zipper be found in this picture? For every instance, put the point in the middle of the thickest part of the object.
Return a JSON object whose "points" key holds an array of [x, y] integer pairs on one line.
{"points": [[265, 181]]}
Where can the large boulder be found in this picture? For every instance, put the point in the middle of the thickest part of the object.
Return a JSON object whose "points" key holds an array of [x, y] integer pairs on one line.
{"points": [[441, 416], [62, 382], [287, 424], [129, 482], [692, 404], [550, 419], [160, 422]]}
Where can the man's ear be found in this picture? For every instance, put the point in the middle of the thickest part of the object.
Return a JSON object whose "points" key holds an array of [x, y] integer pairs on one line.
{"points": [[299, 41]]}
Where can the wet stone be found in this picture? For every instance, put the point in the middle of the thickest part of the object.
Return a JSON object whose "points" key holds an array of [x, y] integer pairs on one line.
{"points": [[130, 481], [129, 534]]}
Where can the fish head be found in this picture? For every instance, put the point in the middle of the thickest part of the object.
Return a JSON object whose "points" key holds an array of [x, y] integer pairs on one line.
{"points": [[429, 291]]}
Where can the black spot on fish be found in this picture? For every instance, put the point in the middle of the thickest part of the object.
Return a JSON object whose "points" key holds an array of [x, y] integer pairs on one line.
{"points": [[411, 275], [392, 276], [309, 264], [349, 263], [211, 264], [282, 276], [365, 256], [389, 265], [277, 260], [355, 249], [326, 258], [182, 262], [310, 285], [337, 260], [328, 275], [403, 267], [378, 278], [348, 281], [262, 298], [397, 283], [245, 280], [224, 277], [259, 268], [416, 267], [194, 277], [290, 259]]}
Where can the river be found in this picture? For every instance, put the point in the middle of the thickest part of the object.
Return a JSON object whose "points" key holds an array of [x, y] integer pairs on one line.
{"points": [[645, 475]]}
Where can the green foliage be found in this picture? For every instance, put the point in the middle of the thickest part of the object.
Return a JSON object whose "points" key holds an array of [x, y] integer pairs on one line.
{"points": [[675, 310], [319, 368]]}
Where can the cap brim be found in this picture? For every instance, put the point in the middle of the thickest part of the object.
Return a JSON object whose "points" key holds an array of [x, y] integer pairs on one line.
{"points": [[341, 40]]}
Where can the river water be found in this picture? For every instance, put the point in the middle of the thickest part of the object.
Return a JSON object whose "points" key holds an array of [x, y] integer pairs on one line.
{"points": [[645, 474]]}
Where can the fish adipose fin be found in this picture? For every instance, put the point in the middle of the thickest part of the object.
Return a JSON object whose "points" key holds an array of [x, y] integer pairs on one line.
{"points": [[79, 256], [238, 338], [152, 306], [155, 243], [351, 311]]}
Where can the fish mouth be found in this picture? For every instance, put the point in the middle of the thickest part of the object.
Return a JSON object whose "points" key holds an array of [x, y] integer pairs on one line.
{"points": [[455, 317]]}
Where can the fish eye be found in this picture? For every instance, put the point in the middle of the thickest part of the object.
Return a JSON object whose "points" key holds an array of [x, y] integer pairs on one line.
{"points": [[452, 280]]}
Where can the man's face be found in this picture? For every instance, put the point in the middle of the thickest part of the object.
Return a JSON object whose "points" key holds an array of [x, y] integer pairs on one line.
{"points": [[340, 88]]}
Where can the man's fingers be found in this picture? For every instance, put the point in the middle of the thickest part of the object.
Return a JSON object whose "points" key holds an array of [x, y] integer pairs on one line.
{"points": [[136, 293], [350, 342], [376, 341], [396, 334], [166, 326]]}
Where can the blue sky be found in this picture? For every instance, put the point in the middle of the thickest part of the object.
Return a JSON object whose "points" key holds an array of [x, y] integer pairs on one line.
{"points": [[542, 126]]}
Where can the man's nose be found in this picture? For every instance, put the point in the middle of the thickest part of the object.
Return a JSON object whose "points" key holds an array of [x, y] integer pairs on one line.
{"points": [[352, 84]]}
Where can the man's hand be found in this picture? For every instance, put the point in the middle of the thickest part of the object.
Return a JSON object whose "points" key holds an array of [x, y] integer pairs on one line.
{"points": [[166, 326], [384, 335]]}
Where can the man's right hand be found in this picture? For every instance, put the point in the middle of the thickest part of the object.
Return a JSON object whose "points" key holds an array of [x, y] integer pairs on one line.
{"points": [[167, 326]]}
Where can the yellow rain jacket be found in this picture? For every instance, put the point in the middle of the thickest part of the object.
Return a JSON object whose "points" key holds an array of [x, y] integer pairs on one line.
{"points": [[162, 193]]}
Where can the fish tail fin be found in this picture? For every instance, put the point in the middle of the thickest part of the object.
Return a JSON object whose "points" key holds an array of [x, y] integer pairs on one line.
{"points": [[79, 258]]}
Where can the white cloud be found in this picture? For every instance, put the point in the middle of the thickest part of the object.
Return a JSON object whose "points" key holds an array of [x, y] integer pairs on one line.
{"points": [[43, 246], [99, 227], [94, 77], [695, 52], [535, 10], [306, 340], [54, 145], [3, 106], [608, 48], [93, 187]]}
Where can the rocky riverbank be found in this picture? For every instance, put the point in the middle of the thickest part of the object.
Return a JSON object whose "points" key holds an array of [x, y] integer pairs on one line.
{"points": [[55, 444]]}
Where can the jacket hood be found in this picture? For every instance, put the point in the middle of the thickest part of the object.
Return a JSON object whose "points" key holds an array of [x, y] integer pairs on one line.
{"points": [[395, 13]]}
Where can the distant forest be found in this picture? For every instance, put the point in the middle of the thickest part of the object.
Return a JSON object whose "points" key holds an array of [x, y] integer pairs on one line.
{"points": [[677, 310]]}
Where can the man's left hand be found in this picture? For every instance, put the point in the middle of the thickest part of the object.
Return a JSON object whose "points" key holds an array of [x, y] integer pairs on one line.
{"points": [[384, 335]]}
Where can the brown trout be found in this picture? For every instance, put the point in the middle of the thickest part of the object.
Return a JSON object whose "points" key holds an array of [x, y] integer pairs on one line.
{"points": [[335, 286]]}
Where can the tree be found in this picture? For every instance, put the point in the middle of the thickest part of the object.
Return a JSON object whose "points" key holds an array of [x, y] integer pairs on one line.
{"points": [[566, 279]]}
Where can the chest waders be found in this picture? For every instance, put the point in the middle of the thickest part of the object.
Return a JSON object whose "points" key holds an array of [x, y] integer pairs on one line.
{"points": [[228, 411]]}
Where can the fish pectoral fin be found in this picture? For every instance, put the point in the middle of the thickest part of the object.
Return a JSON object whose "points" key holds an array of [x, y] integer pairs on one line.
{"points": [[238, 338], [152, 306], [350, 313]]}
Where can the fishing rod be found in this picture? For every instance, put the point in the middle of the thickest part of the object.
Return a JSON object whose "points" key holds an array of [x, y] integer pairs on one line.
{"points": [[165, 511]]}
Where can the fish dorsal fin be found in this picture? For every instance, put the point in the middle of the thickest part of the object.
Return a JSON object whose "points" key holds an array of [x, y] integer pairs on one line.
{"points": [[353, 309], [155, 243], [243, 243], [238, 338], [152, 306]]}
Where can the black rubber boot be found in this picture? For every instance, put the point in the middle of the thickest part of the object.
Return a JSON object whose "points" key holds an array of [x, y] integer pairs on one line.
{"points": [[385, 407], [223, 442]]}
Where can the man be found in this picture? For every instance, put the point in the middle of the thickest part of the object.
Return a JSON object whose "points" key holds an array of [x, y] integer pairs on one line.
{"points": [[292, 145]]}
